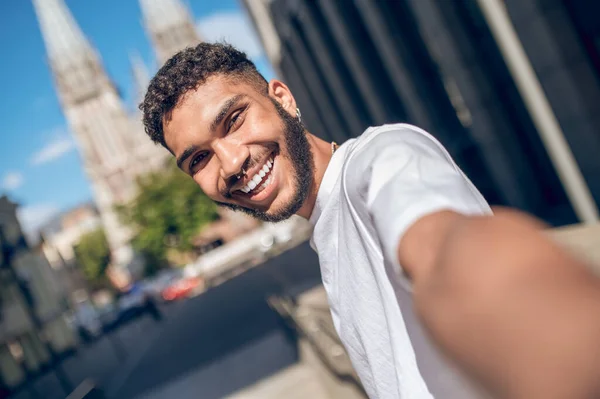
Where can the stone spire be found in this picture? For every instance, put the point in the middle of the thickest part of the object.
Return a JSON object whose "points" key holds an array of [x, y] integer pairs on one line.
{"points": [[64, 40], [97, 117], [141, 75], [170, 26]]}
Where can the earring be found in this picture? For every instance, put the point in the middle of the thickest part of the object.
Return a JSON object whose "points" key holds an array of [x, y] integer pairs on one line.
{"points": [[299, 115]]}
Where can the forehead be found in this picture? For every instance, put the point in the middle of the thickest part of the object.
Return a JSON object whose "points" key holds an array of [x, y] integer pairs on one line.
{"points": [[197, 109]]}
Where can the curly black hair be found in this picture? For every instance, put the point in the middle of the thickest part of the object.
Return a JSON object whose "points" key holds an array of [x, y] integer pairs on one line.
{"points": [[187, 70]]}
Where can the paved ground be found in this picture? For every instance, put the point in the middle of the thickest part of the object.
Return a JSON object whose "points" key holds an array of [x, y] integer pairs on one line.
{"points": [[299, 381], [209, 346], [296, 382], [224, 342], [583, 240], [225, 339], [99, 361]]}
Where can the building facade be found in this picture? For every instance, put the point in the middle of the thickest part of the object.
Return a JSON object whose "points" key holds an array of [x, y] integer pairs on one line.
{"points": [[27, 282], [436, 64], [170, 27], [111, 140], [562, 40], [61, 235], [58, 240]]}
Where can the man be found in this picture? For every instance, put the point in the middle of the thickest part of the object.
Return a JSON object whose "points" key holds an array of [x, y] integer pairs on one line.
{"points": [[395, 221]]}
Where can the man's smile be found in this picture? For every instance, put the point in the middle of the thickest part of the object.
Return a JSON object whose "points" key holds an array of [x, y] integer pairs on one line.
{"points": [[258, 182]]}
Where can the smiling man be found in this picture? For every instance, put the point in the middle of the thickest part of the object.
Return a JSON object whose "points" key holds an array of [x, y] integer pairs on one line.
{"points": [[416, 269]]}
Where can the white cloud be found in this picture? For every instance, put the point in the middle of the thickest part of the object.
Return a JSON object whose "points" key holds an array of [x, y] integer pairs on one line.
{"points": [[33, 217], [12, 180], [232, 27], [60, 145]]}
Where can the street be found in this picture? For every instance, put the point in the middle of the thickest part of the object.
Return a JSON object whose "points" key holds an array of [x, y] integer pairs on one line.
{"points": [[208, 346]]}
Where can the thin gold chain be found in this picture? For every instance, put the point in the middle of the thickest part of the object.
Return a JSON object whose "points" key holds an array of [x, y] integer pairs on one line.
{"points": [[334, 146]]}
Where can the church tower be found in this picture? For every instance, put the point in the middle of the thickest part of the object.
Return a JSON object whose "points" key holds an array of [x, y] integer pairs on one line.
{"points": [[170, 26], [140, 75], [113, 148]]}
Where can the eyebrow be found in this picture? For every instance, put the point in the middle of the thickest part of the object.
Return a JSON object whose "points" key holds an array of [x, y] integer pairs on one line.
{"points": [[185, 155], [213, 126], [224, 110]]}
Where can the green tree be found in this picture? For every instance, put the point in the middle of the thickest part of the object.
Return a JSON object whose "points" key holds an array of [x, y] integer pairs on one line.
{"points": [[168, 212], [93, 256]]}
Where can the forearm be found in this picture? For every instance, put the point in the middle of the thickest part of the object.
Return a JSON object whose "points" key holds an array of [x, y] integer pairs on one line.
{"points": [[511, 308]]}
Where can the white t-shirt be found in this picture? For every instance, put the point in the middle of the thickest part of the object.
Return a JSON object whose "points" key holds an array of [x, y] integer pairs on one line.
{"points": [[374, 188]]}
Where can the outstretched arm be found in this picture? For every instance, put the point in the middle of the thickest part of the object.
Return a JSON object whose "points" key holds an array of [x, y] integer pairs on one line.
{"points": [[515, 311]]}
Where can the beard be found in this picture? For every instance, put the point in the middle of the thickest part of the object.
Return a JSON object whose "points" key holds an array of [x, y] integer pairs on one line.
{"points": [[298, 151]]}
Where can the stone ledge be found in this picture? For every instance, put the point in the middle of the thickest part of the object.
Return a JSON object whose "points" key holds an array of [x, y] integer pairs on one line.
{"points": [[583, 240]]}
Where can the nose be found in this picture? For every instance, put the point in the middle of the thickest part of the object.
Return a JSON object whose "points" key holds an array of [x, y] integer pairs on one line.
{"points": [[232, 156]]}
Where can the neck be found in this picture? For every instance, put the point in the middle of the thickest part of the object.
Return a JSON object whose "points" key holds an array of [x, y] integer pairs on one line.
{"points": [[321, 151]]}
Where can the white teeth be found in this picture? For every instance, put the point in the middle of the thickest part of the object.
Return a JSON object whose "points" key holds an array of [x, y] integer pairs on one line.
{"points": [[257, 179]]}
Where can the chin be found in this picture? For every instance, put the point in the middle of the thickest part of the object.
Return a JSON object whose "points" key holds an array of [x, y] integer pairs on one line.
{"points": [[279, 210]]}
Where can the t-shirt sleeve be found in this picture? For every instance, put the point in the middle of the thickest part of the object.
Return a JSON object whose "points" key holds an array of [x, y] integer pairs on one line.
{"points": [[410, 175]]}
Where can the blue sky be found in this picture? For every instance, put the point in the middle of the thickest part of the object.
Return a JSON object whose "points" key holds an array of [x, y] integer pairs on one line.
{"points": [[39, 165]]}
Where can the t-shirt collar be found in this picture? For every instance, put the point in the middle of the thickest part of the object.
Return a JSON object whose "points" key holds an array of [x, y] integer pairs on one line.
{"points": [[334, 168]]}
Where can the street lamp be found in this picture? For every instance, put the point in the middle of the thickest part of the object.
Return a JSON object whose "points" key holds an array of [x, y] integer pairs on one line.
{"points": [[7, 252]]}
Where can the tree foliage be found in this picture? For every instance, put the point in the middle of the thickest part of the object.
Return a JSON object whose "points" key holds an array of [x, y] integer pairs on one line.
{"points": [[169, 210], [93, 256]]}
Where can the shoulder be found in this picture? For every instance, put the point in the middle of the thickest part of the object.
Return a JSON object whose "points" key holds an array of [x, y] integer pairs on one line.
{"points": [[399, 140], [388, 148], [401, 155]]}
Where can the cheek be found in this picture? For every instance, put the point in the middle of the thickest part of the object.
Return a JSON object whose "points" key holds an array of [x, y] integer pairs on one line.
{"points": [[262, 129], [208, 185]]}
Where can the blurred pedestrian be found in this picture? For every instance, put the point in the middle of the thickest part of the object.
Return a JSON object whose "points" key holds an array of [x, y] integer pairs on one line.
{"points": [[410, 252]]}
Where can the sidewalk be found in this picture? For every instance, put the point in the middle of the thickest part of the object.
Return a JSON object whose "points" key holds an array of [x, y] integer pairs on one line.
{"points": [[583, 240], [296, 382], [303, 380]]}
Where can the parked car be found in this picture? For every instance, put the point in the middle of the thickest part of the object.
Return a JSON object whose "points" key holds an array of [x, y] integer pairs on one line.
{"points": [[87, 322], [157, 284], [182, 288], [132, 303]]}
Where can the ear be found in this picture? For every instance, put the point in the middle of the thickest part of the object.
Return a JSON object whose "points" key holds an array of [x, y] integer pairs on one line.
{"points": [[283, 95]]}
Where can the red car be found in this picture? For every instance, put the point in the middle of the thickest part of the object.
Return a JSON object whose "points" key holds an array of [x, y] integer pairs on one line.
{"points": [[181, 288]]}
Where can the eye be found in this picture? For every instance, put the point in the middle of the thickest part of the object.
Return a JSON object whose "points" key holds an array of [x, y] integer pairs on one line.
{"points": [[196, 160], [235, 119]]}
